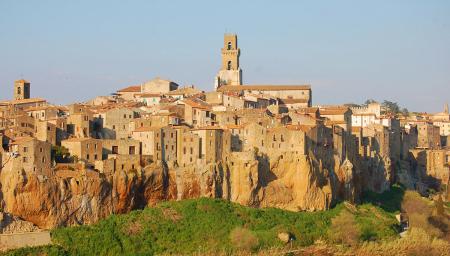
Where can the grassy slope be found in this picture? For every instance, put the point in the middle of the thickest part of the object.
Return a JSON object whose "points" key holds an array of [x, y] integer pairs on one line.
{"points": [[204, 225]]}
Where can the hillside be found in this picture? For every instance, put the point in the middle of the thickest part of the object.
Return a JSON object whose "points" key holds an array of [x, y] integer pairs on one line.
{"points": [[208, 225]]}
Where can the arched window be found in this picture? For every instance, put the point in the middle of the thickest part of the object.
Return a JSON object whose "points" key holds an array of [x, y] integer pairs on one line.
{"points": [[229, 46], [229, 65], [19, 90]]}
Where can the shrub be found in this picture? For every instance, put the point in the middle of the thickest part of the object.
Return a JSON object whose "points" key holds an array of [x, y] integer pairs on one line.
{"points": [[344, 229], [243, 239], [417, 242]]}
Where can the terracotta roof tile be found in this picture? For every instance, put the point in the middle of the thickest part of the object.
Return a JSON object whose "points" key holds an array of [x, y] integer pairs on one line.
{"points": [[264, 87], [133, 88]]}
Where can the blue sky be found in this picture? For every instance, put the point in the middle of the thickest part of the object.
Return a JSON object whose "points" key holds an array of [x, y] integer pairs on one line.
{"points": [[347, 50]]}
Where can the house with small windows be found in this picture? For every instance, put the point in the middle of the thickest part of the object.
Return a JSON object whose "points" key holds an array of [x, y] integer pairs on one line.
{"points": [[120, 147], [84, 149], [214, 143], [149, 99], [115, 123], [79, 121], [158, 142], [28, 154], [189, 147], [196, 112]]}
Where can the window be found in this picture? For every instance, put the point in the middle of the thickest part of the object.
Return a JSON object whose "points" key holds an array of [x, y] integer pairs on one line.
{"points": [[192, 151], [19, 90], [95, 157], [43, 159], [25, 159], [132, 150], [115, 150], [87, 156], [25, 149], [229, 46], [229, 65], [40, 150], [184, 150]]}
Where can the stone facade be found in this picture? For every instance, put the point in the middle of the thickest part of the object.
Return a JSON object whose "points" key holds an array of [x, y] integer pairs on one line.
{"points": [[85, 149], [230, 73], [28, 154], [21, 89]]}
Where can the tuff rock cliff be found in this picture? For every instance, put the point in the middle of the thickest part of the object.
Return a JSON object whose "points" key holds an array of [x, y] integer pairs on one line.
{"points": [[289, 181]]}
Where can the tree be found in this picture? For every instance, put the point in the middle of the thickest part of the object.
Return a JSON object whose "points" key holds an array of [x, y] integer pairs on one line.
{"points": [[60, 154], [344, 229], [390, 107], [369, 101], [405, 112]]}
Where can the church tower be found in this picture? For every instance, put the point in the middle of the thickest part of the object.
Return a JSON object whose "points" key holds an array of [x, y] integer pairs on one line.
{"points": [[446, 108], [21, 89], [230, 72]]}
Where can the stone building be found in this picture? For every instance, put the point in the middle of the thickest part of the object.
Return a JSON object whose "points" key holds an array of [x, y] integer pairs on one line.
{"points": [[46, 131], [428, 136], [79, 121], [115, 123], [196, 112], [85, 149], [129, 93], [158, 142], [159, 86], [301, 93], [28, 154], [189, 146], [146, 136], [337, 115], [214, 143], [120, 147], [42, 112], [165, 146]]}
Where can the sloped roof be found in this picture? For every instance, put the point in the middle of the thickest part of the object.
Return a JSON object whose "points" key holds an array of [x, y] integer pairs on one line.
{"points": [[264, 87], [133, 88]]}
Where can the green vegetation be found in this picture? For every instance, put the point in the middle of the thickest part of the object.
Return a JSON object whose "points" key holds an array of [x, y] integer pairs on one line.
{"points": [[60, 154], [206, 225], [218, 227]]}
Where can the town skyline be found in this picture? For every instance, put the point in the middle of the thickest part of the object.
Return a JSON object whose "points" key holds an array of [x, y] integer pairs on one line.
{"points": [[341, 65]]}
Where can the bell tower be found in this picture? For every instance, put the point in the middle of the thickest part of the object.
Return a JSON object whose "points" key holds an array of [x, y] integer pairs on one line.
{"points": [[230, 72], [21, 89]]}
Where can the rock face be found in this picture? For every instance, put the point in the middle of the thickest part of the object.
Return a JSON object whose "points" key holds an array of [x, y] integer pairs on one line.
{"points": [[11, 224], [289, 181]]}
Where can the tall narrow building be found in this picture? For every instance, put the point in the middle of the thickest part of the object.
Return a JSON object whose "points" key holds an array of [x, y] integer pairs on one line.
{"points": [[230, 72], [21, 89]]}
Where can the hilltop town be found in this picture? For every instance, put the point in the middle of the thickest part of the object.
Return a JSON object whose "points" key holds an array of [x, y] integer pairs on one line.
{"points": [[257, 145]]}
